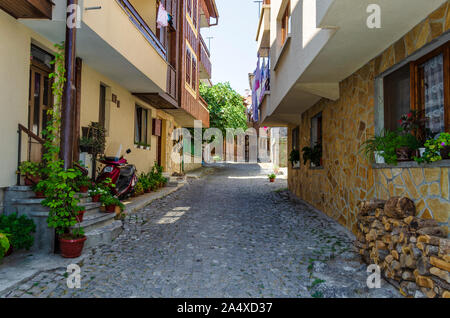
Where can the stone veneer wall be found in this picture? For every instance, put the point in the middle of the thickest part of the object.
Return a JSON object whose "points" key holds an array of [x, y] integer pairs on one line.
{"points": [[347, 178]]}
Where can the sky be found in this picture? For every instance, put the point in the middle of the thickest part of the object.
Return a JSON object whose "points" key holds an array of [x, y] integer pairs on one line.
{"points": [[233, 48]]}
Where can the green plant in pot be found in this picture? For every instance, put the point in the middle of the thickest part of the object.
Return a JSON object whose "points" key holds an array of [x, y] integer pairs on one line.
{"points": [[110, 202], [294, 158], [314, 155], [83, 183], [374, 147], [19, 229], [145, 181], [39, 190], [272, 177], [406, 144], [4, 245], [436, 149], [86, 144], [139, 189], [32, 171]]}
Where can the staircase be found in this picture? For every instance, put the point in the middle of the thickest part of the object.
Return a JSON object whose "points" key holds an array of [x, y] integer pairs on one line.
{"points": [[100, 228]]}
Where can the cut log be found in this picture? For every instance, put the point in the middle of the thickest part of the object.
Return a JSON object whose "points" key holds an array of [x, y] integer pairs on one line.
{"points": [[370, 206], [433, 231], [400, 208], [423, 265], [421, 223]]}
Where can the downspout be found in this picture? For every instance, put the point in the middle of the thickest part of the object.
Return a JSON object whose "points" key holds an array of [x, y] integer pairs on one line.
{"points": [[67, 120]]}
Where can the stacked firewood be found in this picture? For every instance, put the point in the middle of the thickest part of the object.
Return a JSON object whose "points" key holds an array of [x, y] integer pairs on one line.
{"points": [[413, 253]]}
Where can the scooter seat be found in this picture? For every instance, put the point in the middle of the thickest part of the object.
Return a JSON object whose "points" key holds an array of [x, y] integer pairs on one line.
{"points": [[127, 171]]}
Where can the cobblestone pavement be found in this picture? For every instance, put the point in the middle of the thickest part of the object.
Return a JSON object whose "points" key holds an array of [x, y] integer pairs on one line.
{"points": [[231, 234]]}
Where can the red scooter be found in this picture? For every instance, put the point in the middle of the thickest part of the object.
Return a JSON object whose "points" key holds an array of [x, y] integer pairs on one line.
{"points": [[122, 174]]}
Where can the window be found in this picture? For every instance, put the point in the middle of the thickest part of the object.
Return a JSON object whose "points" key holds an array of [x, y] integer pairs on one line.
{"points": [[191, 69], [295, 138], [194, 74], [102, 106], [316, 130], [316, 140], [189, 7], [188, 66], [397, 101], [192, 12], [141, 125], [285, 24], [422, 85]]}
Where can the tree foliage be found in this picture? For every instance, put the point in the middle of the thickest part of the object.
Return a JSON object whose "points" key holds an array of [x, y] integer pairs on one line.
{"points": [[225, 105]]}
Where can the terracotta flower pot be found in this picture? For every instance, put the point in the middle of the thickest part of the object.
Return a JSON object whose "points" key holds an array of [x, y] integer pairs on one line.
{"points": [[40, 195], [403, 154], [80, 216], [110, 209], [32, 180], [148, 190], [445, 153], [9, 251], [272, 180], [71, 248], [96, 198], [84, 189]]}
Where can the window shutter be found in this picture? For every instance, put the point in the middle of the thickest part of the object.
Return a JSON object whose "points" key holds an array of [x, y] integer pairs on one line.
{"points": [[188, 66], [194, 73], [194, 13], [157, 127]]}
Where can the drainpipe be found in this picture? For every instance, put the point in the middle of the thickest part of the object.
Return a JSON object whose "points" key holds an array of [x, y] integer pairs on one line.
{"points": [[67, 120]]}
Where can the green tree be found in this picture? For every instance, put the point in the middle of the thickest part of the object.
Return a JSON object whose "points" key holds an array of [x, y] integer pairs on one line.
{"points": [[225, 105]]}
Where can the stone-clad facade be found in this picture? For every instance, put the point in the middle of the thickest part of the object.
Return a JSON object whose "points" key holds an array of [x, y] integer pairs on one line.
{"points": [[347, 178]]}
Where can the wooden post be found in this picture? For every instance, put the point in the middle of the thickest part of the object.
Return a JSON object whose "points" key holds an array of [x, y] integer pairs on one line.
{"points": [[77, 111], [67, 120]]}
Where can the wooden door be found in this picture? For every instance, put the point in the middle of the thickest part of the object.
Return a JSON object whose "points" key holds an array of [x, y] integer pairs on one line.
{"points": [[40, 101]]}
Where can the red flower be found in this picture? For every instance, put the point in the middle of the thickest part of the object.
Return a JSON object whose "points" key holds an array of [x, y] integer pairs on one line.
{"points": [[410, 115]]}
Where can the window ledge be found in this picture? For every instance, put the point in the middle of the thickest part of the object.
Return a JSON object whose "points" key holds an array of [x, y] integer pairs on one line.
{"points": [[316, 168], [412, 164], [282, 50]]}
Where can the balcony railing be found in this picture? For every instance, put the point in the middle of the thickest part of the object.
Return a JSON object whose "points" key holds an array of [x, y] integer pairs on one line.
{"points": [[143, 27], [205, 57]]}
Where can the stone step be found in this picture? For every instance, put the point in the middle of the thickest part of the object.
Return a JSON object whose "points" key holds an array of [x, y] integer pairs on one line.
{"points": [[98, 220], [103, 235]]}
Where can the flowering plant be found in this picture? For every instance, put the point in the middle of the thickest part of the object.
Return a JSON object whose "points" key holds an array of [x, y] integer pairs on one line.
{"points": [[414, 122]]}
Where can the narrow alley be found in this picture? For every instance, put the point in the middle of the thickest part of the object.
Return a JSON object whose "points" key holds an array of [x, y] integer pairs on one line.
{"points": [[230, 234]]}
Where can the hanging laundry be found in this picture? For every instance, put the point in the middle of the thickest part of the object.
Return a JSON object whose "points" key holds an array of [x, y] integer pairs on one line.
{"points": [[163, 17]]}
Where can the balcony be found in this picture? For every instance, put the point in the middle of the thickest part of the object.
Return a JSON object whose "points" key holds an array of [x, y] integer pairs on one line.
{"points": [[28, 9], [205, 62], [263, 33]]}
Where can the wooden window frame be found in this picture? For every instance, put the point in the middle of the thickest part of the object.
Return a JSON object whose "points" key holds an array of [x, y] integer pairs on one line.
{"points": [[144, 138], [285, 23], [194, 65], [188, 65], [296, 138], [416, 98]]}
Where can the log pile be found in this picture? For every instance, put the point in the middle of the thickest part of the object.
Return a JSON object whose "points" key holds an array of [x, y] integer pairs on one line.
{"points": [[413, 253]]}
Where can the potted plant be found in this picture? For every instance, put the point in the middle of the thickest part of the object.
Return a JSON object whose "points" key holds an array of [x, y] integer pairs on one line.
{"points": [[19, 230], [139, 189], [39, 190], [374, 148], [84, 183], [86, 144], [314, 155], [444, 145], [31, 171], [294, 158], [406, 144], [4, 245], [110, 202], [272, 177], [79, 213], [145, 181], [436, 149], [96, 193]]}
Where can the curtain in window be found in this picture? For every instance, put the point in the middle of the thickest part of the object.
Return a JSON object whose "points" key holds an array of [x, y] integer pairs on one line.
{"points": [[433, 71]]}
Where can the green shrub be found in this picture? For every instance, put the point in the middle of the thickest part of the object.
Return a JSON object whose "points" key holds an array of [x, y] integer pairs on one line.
{"points": [[19, 230], [4, 245]]}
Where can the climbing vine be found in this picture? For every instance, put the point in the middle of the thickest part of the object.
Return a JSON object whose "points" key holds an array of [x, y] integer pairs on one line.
{"points": [[59, 185]]}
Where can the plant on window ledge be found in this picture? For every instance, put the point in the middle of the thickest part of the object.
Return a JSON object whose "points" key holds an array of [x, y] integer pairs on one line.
{"points": [[294, 158], [436, 149], [314, 155], [374, 147]]}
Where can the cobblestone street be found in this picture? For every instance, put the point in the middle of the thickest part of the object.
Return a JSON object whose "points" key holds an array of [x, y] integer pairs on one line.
{"points": [[230, 234]]}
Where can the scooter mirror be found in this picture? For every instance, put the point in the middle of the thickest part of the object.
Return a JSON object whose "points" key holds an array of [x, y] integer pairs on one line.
{"points": [[128, 151]]}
